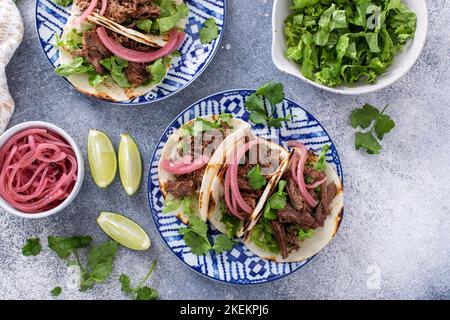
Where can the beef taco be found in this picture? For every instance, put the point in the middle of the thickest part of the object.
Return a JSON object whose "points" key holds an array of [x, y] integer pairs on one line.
{"points": [[186, 155], [118, 50], [302, 214], [247, 177]]}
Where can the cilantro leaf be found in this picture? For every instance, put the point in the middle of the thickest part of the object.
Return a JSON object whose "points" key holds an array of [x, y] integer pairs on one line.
{"points": [[364, 116], [320, 164], [276, 202], [383, 125], [100, 259], [368, 142], [146, 293], [209, 31], [32, 247], [277, 122], [199, 244], [273, 91], [198, 225], [125, 284], [140, 292], [255, 178], [223, 243], [63, 247], [56, 291]]}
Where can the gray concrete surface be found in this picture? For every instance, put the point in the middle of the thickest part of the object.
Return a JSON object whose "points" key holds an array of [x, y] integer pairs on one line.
{"points": [[397, 218]]}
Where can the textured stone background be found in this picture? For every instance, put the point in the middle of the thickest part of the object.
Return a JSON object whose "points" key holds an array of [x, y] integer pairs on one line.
{"points": [[397, 204]]}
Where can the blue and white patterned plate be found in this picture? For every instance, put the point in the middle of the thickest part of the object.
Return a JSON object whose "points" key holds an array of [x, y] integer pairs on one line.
{"points": [[195, 57], [238, 266]]}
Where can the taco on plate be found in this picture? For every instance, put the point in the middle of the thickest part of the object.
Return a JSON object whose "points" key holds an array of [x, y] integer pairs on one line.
{"points": [[302, 214], [250, 172], [118, 50], [185, 156]]}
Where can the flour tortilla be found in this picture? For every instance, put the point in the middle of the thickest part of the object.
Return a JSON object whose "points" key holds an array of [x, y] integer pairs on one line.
{"points": [[212, 199], [240, 128], [322, 235], [108, 90]]}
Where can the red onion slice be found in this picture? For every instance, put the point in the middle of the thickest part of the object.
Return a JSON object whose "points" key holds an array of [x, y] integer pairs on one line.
{"points": [[87, 12], [103, 8], [139, 56], [303, 153], [233, 176], [184, 167]]}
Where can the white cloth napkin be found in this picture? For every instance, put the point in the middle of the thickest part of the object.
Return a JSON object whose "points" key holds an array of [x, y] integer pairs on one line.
{"points": [[11, 34]]}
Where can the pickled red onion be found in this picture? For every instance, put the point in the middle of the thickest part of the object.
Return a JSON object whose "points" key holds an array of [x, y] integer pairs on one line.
{"points": [[38, 170], [233, 176], [184, 167], [88, 11], [231, 203], [299, 168], [139, 56], [103, 8], [316, 184]]}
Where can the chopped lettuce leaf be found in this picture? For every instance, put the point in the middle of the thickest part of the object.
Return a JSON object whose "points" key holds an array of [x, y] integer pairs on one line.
{"points": [[264, 238], [336, 42], [168, 22], [115, 66], [158, 69], [145, 25]]}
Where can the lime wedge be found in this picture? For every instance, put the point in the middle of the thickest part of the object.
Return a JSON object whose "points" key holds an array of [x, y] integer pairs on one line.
{"points": [[130, 164], [102, 158], [126, 232]]}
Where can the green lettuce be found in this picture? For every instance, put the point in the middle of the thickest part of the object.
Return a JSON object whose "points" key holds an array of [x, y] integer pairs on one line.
{"points": [[344, 41]]}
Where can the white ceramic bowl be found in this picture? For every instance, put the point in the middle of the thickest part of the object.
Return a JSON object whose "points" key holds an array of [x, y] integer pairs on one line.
{"points": [[400, 66], [40, 124]]}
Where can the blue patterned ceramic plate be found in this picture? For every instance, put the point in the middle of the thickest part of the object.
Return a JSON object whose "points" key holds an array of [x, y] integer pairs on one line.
{"points": [[194, 59], [238, 266]]}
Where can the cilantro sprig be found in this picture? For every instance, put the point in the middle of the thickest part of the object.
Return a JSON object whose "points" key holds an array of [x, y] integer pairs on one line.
{"points": [[255, 179], [209, 31], [99, 258], [200, 125], [274, 93], [276, 202], [56, 291], [374, 125], [321, 161], [32, 247], [141, 291], [195, 234]]}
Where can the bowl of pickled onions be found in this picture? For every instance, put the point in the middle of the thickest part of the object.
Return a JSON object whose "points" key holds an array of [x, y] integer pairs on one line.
{"points": [[41, 169]]}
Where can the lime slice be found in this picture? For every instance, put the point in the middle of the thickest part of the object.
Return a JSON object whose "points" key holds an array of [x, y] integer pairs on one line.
{"points": [[126, 232], [130, 164], [102, 158]]}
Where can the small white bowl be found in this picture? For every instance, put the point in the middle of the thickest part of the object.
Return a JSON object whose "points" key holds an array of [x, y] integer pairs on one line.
{"points": [[80, 173], [400, 66]]}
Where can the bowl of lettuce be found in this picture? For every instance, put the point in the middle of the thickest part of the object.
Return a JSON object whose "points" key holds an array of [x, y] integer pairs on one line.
{"points": [[348, 46]]}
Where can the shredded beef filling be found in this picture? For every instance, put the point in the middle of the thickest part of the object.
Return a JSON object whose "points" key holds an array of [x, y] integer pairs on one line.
{"points": [[186, 185], [94, 50], [297, 213], [137, 73], [121, 11]]}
